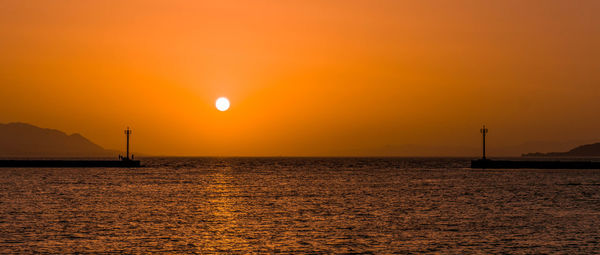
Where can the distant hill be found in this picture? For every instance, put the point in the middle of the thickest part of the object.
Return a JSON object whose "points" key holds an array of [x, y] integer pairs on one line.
{"points": [[24, 140], [588, 150]]}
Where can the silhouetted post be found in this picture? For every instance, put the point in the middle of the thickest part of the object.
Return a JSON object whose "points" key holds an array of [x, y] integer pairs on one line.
{"points": [[483, 131], [128, 133]]}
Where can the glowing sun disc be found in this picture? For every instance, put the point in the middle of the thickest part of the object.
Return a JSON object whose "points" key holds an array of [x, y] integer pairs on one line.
{"points": [[222, 104]]}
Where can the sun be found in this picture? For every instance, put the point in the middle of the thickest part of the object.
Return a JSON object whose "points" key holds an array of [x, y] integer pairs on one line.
{"points": [[222, 104]]}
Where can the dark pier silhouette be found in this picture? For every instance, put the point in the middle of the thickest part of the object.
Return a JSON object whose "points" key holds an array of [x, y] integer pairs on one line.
{"points": [[533, 164], [485, 163], [69, 163], [59, 163]]}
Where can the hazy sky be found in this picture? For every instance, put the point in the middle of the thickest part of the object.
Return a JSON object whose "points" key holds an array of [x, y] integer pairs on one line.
{"points": [[304, 77]]}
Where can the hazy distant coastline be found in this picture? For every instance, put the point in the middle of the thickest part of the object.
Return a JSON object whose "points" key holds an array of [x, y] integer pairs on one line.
{"points": [[24, 140], [588, 150]]}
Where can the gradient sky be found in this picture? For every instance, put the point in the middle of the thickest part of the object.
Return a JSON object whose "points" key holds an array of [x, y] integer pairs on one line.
{"points": [[306, 77]]}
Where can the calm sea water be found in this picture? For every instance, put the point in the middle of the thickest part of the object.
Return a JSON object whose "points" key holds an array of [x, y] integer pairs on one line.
{"points": [[299, 205]]}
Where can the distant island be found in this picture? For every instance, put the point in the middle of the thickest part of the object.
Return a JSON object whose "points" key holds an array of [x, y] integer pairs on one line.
{"points": [[24, 140], [588, 150]]}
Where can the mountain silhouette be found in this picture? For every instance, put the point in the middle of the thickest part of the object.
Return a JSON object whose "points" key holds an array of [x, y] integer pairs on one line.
{"points": [[588, 150], [25, 140]]}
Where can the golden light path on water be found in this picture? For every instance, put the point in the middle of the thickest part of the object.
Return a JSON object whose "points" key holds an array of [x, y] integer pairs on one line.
{"points": [[225, 230]]}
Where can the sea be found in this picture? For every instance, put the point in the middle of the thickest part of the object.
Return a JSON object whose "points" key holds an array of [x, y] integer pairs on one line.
{"points": [[299, 206]]}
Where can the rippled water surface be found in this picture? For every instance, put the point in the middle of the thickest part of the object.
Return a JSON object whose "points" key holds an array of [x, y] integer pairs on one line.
{"points": [[299, 205]]}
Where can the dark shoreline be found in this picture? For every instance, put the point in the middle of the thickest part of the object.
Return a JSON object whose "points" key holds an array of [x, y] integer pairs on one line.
{"points": [[534, 164], [69, 163]]}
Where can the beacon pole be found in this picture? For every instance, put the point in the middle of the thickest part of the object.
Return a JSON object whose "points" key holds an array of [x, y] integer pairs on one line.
{"points": [[127, 133], [483, 132]]}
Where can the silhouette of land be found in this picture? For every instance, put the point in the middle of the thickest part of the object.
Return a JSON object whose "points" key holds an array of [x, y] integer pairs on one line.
{"points": [[588, 150], [19, 140]]}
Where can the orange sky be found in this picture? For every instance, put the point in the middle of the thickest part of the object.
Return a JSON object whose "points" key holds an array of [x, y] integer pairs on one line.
{"points": [[305, 78]]}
